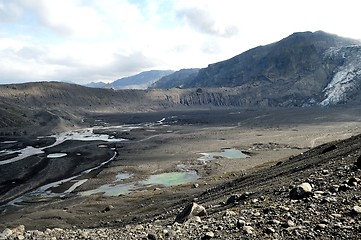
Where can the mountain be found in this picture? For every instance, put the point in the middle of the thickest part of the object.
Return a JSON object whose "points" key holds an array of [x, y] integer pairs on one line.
{"points": [[304, 68], [140, 81], [96, 84], [176, 79]]}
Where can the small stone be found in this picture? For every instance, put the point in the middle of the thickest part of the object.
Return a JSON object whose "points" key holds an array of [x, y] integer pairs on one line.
{"points": [[196, 219], [356, 210], [325, 172], [270, 230], [321, 226], [233, 199], [290, 223], [166, 233], [353, 181], [230, 213], [336, 215], [319, 192], [275, 222], [241, 223], [208, 235], [196, 185], [358, 162], [256, 214], [7, 232], [306, 187], [108, 208], [19, 230], [344, 188], [248, 229], [334, 188], [152, 236], [284, 208]]}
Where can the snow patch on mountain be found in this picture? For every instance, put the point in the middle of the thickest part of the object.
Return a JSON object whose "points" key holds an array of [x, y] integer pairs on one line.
{"points": [[347, 76]]}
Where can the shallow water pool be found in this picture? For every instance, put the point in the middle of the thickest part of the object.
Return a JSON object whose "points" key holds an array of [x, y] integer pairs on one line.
{"points": [[164, 179], [230, 153], [171, 178], [56, 155]]}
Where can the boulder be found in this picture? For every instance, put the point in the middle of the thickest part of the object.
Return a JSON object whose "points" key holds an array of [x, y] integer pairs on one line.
{"points": [[303, 190], [190, 211]]}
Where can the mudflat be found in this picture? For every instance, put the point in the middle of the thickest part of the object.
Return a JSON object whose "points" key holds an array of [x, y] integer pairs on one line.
{"points": [[152, 144]]}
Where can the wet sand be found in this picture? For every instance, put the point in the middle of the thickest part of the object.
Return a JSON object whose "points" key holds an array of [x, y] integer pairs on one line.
{"points": [[268, 136]]}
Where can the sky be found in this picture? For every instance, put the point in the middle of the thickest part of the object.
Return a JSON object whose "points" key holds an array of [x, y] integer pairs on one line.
{"points": [[84, 41]]}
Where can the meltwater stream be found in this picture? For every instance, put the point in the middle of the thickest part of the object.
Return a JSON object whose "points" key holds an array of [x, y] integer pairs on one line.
{"points": [[81, 135], [44, 192]]}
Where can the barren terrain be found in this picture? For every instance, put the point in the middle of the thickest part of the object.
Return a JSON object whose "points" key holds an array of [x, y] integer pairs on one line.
{"points": [[268, 136]]}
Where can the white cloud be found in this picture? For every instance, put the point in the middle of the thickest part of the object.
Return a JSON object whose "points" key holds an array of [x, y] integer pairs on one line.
{"points": [[83, 41]]}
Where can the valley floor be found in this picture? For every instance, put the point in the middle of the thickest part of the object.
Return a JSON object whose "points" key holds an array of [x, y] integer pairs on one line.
{"points": [[270, 137]]}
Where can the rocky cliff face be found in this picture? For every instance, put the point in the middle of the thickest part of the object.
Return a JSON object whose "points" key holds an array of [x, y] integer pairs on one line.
{"points": [[303, 69]]}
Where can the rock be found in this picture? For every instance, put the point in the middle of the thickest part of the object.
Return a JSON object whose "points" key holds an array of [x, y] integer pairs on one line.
{"points": [[270, 230], [108, 208], [358, 162], [196, 219], [208, 235], [344, 188], [306, 187], [329, 149], [152, 236], [320, 226], [274, 222], [241, 223], [232, 199], [229, 213], [248, 229], [356, 210], [190, 211], [19, 230], [303, 190], [290, 223], [353, 181], [196, 185], [7, 232], [235, 198]]}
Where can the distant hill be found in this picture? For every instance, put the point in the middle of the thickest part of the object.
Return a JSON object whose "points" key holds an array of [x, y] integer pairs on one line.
{"points": [[141, 80], [96, 84], [304, 68], [176, 79]]}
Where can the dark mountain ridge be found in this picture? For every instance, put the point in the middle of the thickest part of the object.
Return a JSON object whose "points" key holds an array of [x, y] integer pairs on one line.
{"points": [[298, 68]]}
